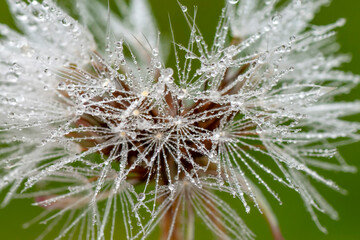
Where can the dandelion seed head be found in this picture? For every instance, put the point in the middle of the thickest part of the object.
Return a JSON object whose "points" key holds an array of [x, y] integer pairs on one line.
{"points": [[120, 134], [145, 93], [158, 136], [136, 112]]}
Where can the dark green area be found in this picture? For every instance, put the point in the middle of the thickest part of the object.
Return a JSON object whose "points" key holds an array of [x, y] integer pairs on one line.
{"points": [[295, 222]]}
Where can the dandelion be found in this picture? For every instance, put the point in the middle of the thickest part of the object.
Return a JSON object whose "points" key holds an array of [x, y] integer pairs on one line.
{"points": [[113, 142]]}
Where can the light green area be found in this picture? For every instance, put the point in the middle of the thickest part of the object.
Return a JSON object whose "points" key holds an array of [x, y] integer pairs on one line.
{"points": [[294, 220]]}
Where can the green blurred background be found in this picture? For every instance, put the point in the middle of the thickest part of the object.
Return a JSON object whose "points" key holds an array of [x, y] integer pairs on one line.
{"points": [[295, 222]]}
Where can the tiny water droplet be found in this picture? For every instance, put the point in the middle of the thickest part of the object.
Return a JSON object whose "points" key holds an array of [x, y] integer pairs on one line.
{"points": [[183, 8], [298, 3], [275, 19], [11, 77], [155, 52], [61, 86], [65, 22], [141, 197]]}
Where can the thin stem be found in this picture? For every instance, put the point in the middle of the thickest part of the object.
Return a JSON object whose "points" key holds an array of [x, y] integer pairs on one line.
{"points": [[190, 224], [268, 214]]}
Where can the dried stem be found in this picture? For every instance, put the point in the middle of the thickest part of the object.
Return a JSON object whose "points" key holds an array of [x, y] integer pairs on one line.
{"points": [[171, 223]]}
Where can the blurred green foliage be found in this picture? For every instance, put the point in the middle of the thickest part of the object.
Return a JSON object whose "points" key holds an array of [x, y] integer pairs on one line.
{"points": [[295, 222]]}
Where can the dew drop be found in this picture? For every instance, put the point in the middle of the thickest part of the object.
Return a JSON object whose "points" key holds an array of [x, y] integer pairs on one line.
{"points": [[233, 1], [47, 72], [304, 48], [12, 101], [11, 77], [45, 5], [198, 38], [122, 77], [158, 64], [298, 3], [183, 8], [65, 22], [141, 197], [155, 52], [61, 86], [166, 74], [281, 49], [275, 19]]}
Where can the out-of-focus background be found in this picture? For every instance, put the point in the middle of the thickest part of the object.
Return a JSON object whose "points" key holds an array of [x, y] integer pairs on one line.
{"points": [[295, 222]]}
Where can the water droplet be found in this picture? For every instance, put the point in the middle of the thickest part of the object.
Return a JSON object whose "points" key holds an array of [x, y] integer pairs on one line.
{"points": [[45, 5], [11, 77], [141, 197], [281, 49], [258, 131], [122, 77], [298, 3], [61, 86], [183, 8], [106, 82], [158, 64], [275, 19], [47, 72], [233, 1], [12, 101], [166, 74], [155, 52], [304, 48], [65, 22]]}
